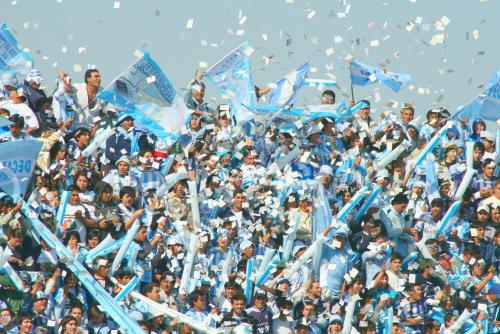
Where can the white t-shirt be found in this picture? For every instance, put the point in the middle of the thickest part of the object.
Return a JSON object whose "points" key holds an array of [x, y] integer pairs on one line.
{"points": [[21, 109]]}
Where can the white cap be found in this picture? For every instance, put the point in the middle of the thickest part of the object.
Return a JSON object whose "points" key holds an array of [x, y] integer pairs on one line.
{"points": [[326, 170], [488, 135]]}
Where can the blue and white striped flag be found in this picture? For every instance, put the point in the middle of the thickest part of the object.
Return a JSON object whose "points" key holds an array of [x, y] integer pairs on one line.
{"points": [[232, 77], [11, 56], [486, 105], [286, 89], [145, 92], [363, 75]]}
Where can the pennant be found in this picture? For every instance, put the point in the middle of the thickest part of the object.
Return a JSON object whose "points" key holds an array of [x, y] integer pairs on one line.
{"points": [[232, 77], [145, 93], [20, 157], [287, 88]]}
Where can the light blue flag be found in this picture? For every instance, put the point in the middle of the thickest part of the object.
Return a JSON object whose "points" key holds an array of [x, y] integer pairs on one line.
{"points": [[145, 92], [431, 182], [322, 213], [9, 183], [486, 105], [286, 89], [363, 75], [11, 56], [20, 157], [232, 77]]}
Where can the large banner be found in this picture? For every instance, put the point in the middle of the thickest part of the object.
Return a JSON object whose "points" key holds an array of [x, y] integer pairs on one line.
{"points": [[20, 157], [232, 77], [11, 57], [145, 92]]}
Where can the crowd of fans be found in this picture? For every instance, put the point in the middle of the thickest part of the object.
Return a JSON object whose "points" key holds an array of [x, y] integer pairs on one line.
{"points": [[384, 258]]}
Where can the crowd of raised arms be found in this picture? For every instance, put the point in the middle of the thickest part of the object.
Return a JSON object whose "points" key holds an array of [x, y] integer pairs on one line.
{"points": [[227, 226]]}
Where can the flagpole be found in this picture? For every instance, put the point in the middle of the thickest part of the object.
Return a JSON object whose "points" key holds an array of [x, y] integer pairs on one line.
{"points": [[352, 86]]}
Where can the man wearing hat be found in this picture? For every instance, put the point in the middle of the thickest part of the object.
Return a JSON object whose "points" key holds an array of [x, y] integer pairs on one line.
{"points": [[120, 142], [224, 129], [335, 324], [121, 177], [16, 132], [43, 315], [32, 87], [8, 84], [261, 313], [340, 261], [489, 140]]}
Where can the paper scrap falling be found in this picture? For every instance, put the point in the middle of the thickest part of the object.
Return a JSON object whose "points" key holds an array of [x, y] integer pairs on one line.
{"points": [[248, 51], [117, 5], [329, 51], [77, 68], [475, 34], [189, 24], [311, 14]]}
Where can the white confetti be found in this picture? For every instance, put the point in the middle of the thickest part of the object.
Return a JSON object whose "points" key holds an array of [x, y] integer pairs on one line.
{"points": [[338, 39], [418, 20], [117, 5], [189, 24], [311, 14], [240, 32], [445, 20], [138, 54], [243, 20], [64, 49], [77, 68], [475, 34], [82, 50], [248, 51], [313, 69], [329, 51], [203, 64], [374, 43], [151, 79]]}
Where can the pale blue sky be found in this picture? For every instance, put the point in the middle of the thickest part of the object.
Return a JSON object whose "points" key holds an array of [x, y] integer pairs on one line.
{"points": [[453, 70]]}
